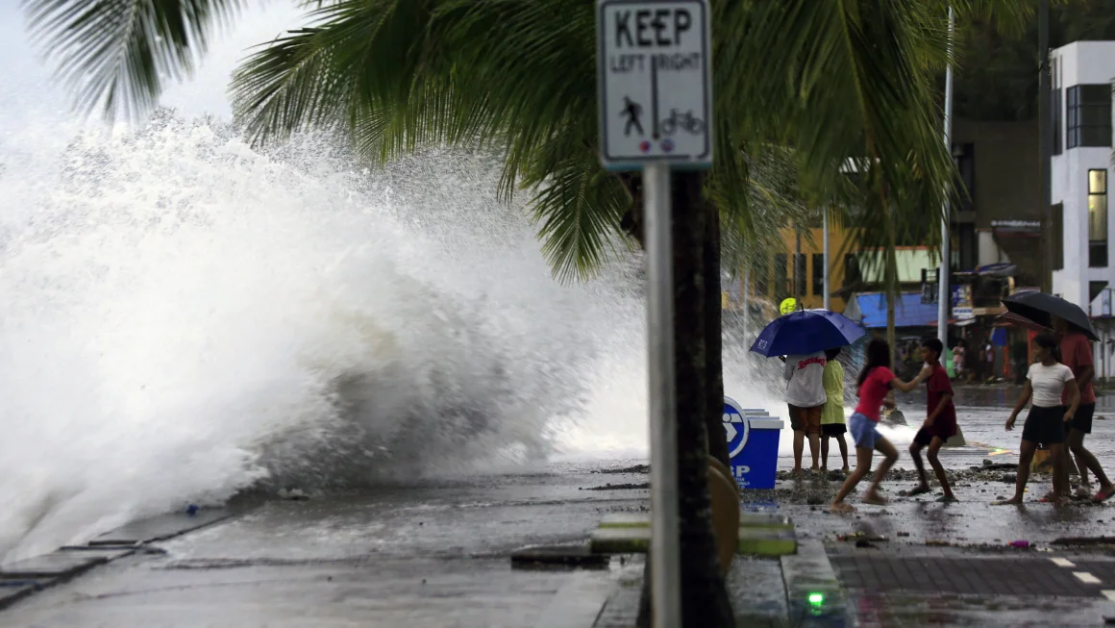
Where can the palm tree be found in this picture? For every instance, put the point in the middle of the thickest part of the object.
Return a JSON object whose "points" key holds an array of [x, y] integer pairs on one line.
{"points": [[833, 79]]}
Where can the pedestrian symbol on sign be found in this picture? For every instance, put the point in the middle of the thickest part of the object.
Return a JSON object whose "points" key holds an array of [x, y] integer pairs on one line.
{"points": [[633, 111], [737, 426]]}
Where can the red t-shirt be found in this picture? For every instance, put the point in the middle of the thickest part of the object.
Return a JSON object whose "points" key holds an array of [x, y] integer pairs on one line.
{"points": [[872, 392], [937, 386], [1076, 353]]}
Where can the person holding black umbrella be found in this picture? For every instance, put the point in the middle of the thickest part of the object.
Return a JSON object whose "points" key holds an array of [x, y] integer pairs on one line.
{"points": [[1046, 382], [1074, 328], [1076, 353]]}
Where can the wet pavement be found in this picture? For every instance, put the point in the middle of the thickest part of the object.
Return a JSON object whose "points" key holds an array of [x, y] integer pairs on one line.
{"points": [[424, 556], [437, 553]]}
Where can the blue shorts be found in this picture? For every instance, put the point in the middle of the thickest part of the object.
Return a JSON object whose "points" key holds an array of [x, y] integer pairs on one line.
{"points": [[864, 431]]}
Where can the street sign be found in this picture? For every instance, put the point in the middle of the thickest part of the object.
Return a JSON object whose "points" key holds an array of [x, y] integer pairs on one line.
{"points": [[655, 69]]}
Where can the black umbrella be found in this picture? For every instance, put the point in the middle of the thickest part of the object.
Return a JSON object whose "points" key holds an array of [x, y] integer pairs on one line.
{"points": [[1041, 307]]}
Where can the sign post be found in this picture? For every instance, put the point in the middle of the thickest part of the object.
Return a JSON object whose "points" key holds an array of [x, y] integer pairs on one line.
{"points": [[654, 62]]}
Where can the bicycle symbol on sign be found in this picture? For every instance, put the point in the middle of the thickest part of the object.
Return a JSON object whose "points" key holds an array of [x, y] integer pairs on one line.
{"points": [[685, 120]]}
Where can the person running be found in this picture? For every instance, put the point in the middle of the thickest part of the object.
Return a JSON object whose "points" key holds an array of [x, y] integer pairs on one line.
{"points": [[832, 416], [1046, 381], [958, 360], [1076, 353], [805, 395], [874, 382], [940, 421]]}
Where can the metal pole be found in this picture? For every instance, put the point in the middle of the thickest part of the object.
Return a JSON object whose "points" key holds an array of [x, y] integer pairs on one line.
{"points": [[1045, 147], [825, 254], [746, 301], [665, 556], [946, 211]]}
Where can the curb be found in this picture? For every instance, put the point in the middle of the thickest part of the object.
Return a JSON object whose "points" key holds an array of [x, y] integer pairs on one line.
{"points": [[814, 594], [760, 534], [577, 604], [24, 577]]}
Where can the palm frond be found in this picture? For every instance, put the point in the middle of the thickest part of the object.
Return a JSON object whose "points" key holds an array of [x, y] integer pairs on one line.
{"points": [[115, 55], [577, 207]]}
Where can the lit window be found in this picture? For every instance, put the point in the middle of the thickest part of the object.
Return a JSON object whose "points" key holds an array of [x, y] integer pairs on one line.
{"points": [[1097, 218]]}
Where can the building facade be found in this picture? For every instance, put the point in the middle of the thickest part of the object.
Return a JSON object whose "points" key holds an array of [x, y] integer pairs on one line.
{"points": [[1083, 273]]}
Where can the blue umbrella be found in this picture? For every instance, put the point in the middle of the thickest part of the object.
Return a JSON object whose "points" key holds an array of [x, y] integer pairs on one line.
{"points": [[804, 332]]}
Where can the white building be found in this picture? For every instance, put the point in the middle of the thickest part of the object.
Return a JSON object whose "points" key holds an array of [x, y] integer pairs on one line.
{"points": [[1083, 74]]}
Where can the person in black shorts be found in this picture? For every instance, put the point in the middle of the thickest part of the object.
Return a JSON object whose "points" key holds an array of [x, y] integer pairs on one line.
{"points": [[1076, 353], [940, 421], [1046, 380], [832, 415]]}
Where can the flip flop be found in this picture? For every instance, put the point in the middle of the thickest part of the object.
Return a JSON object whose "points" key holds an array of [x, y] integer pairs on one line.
{"points": [[946, 499], [1103, 496], [1005, 502]]}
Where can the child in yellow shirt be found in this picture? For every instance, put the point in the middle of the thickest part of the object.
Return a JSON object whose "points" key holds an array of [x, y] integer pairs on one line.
{"points": [[832, 415]]}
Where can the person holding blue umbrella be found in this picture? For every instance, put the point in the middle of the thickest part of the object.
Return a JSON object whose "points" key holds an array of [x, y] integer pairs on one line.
{"points": [[805, 396], [803, 337]]}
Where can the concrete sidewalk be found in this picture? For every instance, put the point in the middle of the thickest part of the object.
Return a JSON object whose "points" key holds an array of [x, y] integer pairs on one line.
{"points": [[420, 556]]}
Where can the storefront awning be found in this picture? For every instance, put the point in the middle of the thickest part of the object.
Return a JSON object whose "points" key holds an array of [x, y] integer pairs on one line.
{"points": [[870, 310]]}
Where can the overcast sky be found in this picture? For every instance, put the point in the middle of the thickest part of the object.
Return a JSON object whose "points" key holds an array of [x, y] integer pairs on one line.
{"points": [[27, 93]]}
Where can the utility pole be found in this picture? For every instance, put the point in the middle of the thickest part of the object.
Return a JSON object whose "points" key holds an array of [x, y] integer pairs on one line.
{"points": [[828, 266], [1045, 147], [943, 272], [794, 267]]}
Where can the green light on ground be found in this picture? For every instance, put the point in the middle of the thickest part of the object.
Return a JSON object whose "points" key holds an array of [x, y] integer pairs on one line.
{"points": [[816, 599]]}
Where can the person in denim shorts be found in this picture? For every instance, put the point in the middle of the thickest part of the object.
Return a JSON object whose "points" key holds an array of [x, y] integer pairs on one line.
{"points": [[875, 381]]}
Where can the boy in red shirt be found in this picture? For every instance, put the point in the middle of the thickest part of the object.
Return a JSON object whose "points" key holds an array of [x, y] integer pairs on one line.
{"points": [[940, 421], [1076, 353]]}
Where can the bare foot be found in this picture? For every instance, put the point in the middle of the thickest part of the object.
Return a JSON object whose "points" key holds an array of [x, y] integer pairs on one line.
{"points": [[842, 508], [1014, 501], [874, 498], [845, 470]]}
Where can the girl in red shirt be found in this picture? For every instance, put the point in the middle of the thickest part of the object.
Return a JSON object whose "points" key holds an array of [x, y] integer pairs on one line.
{"points": [[875, 381]]}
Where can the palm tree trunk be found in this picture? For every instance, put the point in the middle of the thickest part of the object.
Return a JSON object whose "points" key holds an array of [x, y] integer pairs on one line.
{"points": [[714, 345], [704, 598]]}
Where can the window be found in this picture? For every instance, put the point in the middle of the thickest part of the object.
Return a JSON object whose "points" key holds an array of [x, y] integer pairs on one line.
{"points": [[1058, 121], [851, 270], [1058, 236], [781, 288], [1097, 218], [1094, 289], [819, 274], [965, 157], [1057, 106], [1089, 115], [762, 277], [799, 274]]}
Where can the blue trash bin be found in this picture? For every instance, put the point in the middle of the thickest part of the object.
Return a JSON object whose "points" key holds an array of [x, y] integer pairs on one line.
{"points": [[752, 445]]}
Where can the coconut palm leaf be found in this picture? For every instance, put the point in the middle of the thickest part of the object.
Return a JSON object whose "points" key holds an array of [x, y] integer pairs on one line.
{"points": [[116, 54]]}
